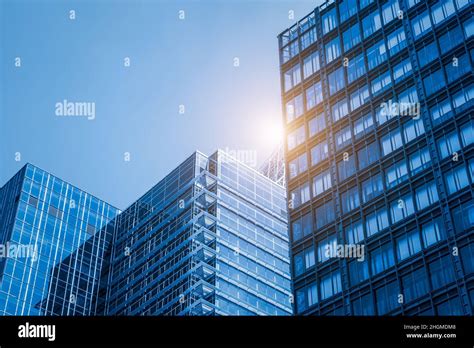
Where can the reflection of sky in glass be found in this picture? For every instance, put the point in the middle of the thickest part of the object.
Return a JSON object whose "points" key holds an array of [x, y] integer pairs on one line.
{"points": [[66, 217]]}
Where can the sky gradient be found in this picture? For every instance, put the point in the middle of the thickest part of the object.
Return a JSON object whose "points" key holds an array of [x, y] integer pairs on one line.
{"points": [[173, 62]]}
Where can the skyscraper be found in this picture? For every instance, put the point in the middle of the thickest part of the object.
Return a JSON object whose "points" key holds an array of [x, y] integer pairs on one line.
{"points": [[274, 166], [51, 244], [209, 239], [378, 102]]}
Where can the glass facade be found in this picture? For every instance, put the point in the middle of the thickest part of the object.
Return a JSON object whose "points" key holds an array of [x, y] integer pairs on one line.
{"points": [[209, 239], [392, 161], [274, 166], [52, 245]]}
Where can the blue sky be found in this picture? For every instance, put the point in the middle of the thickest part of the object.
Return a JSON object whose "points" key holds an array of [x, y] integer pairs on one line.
{"points": [[173, 62]]}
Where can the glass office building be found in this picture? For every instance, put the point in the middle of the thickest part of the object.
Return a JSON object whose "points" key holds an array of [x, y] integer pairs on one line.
{"points": [[51, 245], [378, 102], [209, 239]]}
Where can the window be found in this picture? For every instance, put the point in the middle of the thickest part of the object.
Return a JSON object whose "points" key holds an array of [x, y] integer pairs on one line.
{"points": [[358, 271], [327, 248], [441, 111], [302, 227], [471, 169], [407, 245], [426, 195], [350, 200], [314, 95], [292, 77], [331, 285], [401, 208], [467, 257], [461, 3], [300, 195], [368, 155], [311, 64], [396, 174], [354, 233], [307, 22], [336, 80], [363, 126], [434, 82], [411, 3], [390, 11], [415, 285], [298, 165], [339, 110], [316, 125], [401, 70], [290, 50], [382, 258], [450, 307], [319, 153], [384, 113], [376, 222], [396, 41], [351, 37], [456, 179], [304, 260], [324, 214], [463, 217], [33, 201], [469, 27], [306, 297], [371, 23], [329, 21], [456, 69], [450, 39], [321, 182], [376, 54], [363, 305], [294, 108], [365, 3], [347, 9], [442, 272], [359, 97], [333, 50], [301, 301], [442, 10], [343, 137], [387, 298], [355, 68], [381, 83], [413, 129], [296, 138], [308, 38], [448, 144], [433, 232], [408, 96], [421, 24], [467, 133], [372, 187], [346, 168], [391, 142], [427, 54], [419, 160], [463, 96]]}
